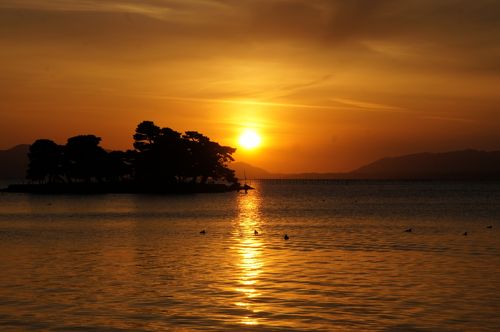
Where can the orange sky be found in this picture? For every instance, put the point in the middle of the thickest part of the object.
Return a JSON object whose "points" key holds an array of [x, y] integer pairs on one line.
{"points": [[329, 85]]}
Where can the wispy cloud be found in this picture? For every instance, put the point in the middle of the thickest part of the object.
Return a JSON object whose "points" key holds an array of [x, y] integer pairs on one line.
{"points": [[160, 9], [352, 105], [448, 119], [246, 102], [368, 106], [287, 90]]}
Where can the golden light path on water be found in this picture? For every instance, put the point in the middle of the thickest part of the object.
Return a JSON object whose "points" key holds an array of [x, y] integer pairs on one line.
{"points": [[250, 250]]}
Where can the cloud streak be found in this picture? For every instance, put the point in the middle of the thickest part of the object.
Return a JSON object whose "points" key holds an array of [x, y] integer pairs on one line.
{"points": [[426, 30]]}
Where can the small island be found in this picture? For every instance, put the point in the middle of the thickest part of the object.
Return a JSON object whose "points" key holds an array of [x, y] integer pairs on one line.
{"points": [[162, 161]]}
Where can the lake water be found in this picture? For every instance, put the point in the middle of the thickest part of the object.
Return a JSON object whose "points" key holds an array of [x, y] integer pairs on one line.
{"points": [[139, 262]]}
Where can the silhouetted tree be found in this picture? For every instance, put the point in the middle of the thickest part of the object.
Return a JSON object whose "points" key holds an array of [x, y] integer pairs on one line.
{"points": [[220, 168], [84, 158], [208, 159], [165, 156], [163, 159], [145, 135], [194, 144], [45, 161], [119, 166], [157, 157]]}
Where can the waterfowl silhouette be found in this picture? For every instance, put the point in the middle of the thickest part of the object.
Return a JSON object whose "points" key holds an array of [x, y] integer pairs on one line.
{"points": [[409, 230], [203, 232], [286, 237], [464, 234], [490, 226], [255, 232]]}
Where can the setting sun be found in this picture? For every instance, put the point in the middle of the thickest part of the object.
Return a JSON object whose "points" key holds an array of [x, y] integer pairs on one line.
{"points": [[249, 139]]}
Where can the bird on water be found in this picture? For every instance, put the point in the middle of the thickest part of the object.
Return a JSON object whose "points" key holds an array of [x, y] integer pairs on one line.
{"points": [[286, 237], [203, 232], [255, 232], [409, 230], [464, 234], [490, 226]]}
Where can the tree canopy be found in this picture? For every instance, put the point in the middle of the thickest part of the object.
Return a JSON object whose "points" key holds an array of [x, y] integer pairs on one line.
{"points": [[45, 161], [161, 157]]}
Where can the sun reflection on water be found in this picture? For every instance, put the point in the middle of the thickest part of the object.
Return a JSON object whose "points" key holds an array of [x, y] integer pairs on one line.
{"points": [[249, 250]]}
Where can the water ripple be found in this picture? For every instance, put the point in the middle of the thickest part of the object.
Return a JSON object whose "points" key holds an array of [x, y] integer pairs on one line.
{"points": [[139, 263]]}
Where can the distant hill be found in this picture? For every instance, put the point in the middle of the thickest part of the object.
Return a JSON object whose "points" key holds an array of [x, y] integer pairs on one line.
{"points": [[14, 162], [466, 164], [241, 169], [313, 176], [251, 172]]}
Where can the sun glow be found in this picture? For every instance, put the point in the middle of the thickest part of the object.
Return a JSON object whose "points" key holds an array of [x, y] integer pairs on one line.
{"points": [[249, 139]]}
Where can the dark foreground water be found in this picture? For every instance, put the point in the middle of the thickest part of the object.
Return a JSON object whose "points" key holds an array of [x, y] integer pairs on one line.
{"points": [[138, 262]]}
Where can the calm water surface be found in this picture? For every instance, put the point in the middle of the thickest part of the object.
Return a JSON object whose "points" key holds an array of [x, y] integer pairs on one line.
{"points": [[138, 262]]}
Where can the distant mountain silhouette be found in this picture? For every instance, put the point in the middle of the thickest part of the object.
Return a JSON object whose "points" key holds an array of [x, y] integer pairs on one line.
{"points": [[466, 164], [241, 169], [313, 176], [14, 162]]}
